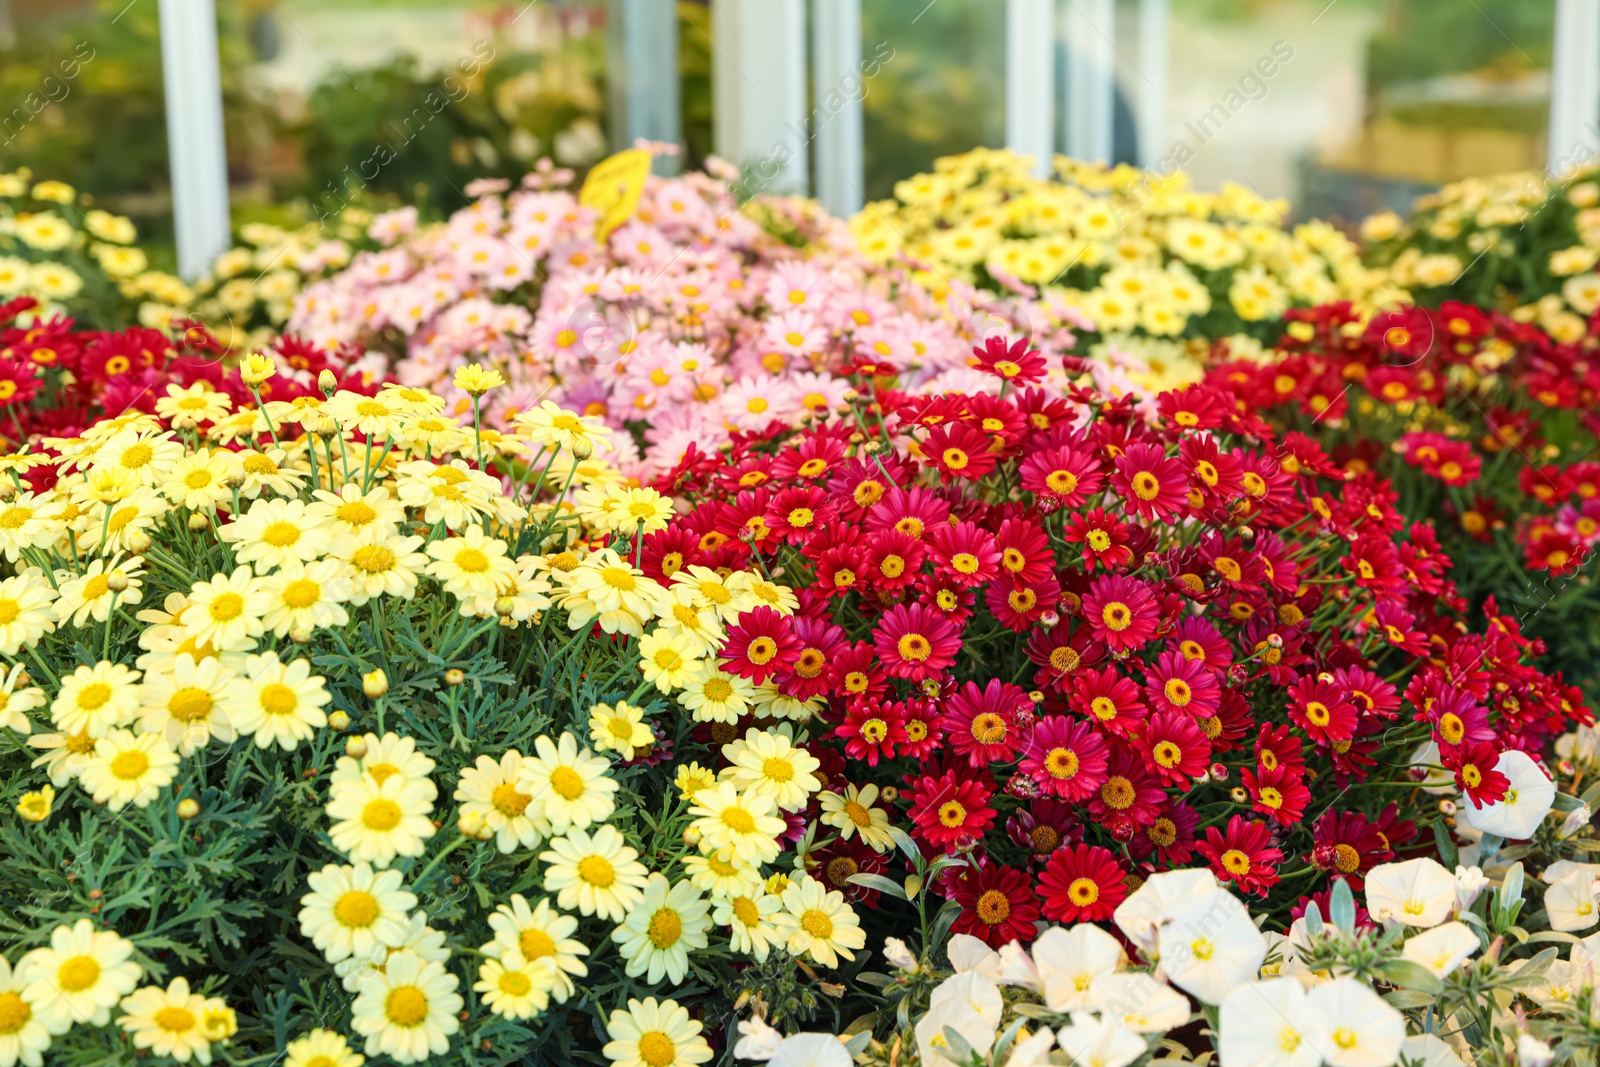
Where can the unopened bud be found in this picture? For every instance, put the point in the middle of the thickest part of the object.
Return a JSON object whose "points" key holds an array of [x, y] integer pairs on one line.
{"points": [[1239, 795], [356, 747], [327, 382], [691, 837], [139, 542], [1219, 772], [889, 794], [339, 720], [1447, 807], [454, 677], [375, 684], [1049, 619], [188, 808], [198, 521], [471, 824], [117, 582], [504, 607], [1274, 641], [300, 635]]}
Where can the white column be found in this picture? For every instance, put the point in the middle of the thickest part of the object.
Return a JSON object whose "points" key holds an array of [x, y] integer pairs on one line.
{"points": [[838, 89], [1155, 63], [1091, 72], [195, 144], [1575, 95], [642, 75], [758, 83], [1030, 80]]}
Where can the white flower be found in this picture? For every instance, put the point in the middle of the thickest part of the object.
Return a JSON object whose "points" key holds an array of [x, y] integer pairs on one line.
{"points": [[1442, 949], [968, 953], [757, 1040], [1068, 960], [1470, 882], [1267, 1024], [1528, 799], [972, 1028], [1531, 1052], [1571, 901], [895, 951], [1209, 945], [1095, 1042], [1418, 892], [1427, 1050], [1362, 1030], [811, 1050], [1139, 1002], [968, 991], [1578, 818], [1140, 916]]}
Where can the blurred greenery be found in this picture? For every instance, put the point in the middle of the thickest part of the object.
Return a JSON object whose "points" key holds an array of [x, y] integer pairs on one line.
{"points": [[942, 93]]}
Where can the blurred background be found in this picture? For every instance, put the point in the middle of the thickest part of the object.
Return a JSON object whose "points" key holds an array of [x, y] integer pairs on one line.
{"points": [[1369, 103]]}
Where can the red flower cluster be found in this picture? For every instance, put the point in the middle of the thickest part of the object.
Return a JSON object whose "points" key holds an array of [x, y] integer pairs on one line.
{"points": [[1065, 639]]}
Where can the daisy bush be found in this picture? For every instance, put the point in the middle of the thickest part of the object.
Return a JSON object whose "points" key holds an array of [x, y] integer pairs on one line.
{"points": [[698, 319], [1485, 426], [70, 257], [1523, 243], [334, 728], [1148, 260]]}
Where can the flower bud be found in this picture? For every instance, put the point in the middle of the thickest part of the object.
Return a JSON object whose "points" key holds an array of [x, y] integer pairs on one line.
{"points": [[505, 607], [889, 794], [454, 677], [375, 684], [339, 720], [355, 747], [1447, 807], [117, 582], [300, 635], [1219, 772], [1239, 795], [691, 837], [327, 382], [139, 542], [471, 824], [1049, 619], [198, 521], [188, 808]]}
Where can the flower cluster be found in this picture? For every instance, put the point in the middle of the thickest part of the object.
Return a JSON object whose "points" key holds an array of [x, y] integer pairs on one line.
{"points": [[1485, 426], [1141, 255], [1082, 644], [697, 320]]}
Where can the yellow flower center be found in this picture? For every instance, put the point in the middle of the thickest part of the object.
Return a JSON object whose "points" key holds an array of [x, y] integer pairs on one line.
{"points": [[77, 974], [665, 928], [406, 1006], [567, 783], [597, 871], [381, 815], [356, 909], [130, 766]]}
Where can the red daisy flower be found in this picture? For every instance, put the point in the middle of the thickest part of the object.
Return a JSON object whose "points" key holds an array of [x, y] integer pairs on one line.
{"points": [[1473, 764], [840, 570], [1369, 693], [914, 642], [1104, 538], [1182, 685], [894, 560], [957, 450], [1244, 855], [1277, 746], [1019, 608], [872, 729], [812, 457], [913, 512], [1174, 748], [949, 811], [923, 736], [997, 905], [1025, 555], [1457, 718], [1320, 709], [1044, 826], [1060, 653], [856, 672], [1066, 758], [981, 724], [761, 644], [964, 554], [1154, 486], [1121, 611], [1170, 838], [1346, 843], [1109, 700], [1017, 363], [1061, 477], [1082, 884], [860, 484], [1277, 793], [820, 643], [843, 860], [795, 514], [1128, 797]]}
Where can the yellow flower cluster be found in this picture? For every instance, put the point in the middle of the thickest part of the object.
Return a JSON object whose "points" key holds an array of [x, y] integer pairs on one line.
{"points": [[1135, 252], [44, 253], [80, 977]]}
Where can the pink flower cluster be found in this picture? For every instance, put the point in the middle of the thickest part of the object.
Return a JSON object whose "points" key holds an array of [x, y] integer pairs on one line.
{"points": [[697, 318]]}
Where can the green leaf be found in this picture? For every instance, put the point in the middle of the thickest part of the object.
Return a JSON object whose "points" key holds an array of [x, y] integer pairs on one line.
{"points": [[1487, 847], [1410, 975], [1566, 802], [1406, 999], [1313, 919], [913, 886], [1449, 854], [960, 1051], [1342, 907], [880, 883]]}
